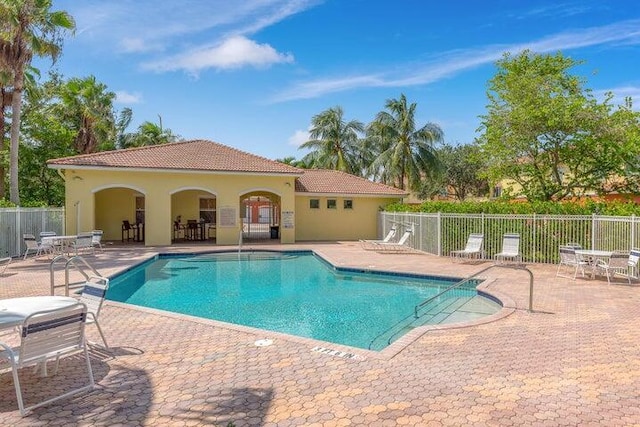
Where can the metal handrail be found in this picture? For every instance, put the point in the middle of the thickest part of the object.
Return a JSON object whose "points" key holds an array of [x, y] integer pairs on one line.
{"points": [[69, 261], [465, 280], [455, 285]]}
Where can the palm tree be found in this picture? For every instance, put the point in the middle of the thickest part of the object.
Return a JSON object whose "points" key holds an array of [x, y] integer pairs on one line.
{"points": [[88, 106], [27, 27], [149, 133], [405, 154], [334, 142]]}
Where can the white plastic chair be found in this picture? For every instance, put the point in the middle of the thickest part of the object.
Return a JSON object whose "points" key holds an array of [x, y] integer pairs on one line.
{"points": [[47, 335], [473, 249], [32, 246], [510, 248], [618, 263], [84, 242], [93, 295], [96, 240], [571, 261]]}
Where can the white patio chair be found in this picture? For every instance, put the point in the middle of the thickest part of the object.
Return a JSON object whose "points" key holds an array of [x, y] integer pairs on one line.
{"points": [[370, 244], [83, 242], [618, 263], [93, 295], [32, 246], [96, 240], [47, 335], [510, 248], [473, 249], [571, 261]]}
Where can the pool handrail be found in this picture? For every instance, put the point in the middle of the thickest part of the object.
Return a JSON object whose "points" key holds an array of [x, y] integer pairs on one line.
{"points": [[456, 285]]}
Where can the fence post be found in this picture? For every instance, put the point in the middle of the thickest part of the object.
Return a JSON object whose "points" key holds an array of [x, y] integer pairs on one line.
{"points": [[633, 232], [439, 233], [535, 235], [593, 231]]}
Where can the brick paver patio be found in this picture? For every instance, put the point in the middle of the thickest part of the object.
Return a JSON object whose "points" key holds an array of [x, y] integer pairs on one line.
{"points": [[574, 360]]}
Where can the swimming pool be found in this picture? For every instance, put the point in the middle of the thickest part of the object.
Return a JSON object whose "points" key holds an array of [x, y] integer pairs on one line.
{"points": [[291, 292]]}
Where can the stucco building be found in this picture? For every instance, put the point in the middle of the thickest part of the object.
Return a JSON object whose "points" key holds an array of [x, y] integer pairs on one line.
{"points": [[220, 191]]}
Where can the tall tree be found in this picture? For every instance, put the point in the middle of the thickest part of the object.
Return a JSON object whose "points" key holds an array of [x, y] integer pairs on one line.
{"points": [[149, 133], [333, 141], [547, 134], [87, 106], [461, 171], [406, 154], [27, 27]]}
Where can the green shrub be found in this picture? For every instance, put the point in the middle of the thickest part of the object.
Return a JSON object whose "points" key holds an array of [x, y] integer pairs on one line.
{"points": [[589, 207]]}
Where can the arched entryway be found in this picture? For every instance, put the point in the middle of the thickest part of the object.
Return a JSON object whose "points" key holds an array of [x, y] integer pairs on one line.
{"points": [[194, 212], [260, 214], [119, 211]]}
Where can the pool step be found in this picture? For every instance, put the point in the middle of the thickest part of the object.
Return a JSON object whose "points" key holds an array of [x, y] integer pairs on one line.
{"points": [[448, 310]]}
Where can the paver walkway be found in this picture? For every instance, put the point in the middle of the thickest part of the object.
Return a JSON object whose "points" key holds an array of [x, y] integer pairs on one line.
{"points": [[574, 360]]}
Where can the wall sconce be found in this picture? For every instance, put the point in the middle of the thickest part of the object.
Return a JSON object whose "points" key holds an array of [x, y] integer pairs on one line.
{"points": [[78, 178], [288, 184]]}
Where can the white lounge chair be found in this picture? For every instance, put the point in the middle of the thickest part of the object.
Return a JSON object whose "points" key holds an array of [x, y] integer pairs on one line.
{"points": [[47, 335], [399, 246], [93, 295], [473, 249], [570, 261], [510, 248], [370, 244]]}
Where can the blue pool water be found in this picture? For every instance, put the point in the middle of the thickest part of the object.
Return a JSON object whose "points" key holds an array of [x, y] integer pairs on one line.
{"points": [[294, 293]]}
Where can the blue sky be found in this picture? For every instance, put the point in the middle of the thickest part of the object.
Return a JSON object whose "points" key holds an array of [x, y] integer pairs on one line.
{"points": [[252, 73]]}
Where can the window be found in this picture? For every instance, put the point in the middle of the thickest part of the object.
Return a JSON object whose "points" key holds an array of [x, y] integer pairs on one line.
{"points": [[314, 204], [208, 210], [331, 204], [139, 209], [497, 191], [348, 204]]}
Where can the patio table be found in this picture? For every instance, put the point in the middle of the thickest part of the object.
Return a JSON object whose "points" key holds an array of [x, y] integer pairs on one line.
{"points": [[591, 256], [61, 244], [13, 311]]}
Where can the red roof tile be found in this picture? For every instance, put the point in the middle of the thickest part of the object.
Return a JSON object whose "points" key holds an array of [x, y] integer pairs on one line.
{"points": [[196, 155], [200, 155], [336, 182]]}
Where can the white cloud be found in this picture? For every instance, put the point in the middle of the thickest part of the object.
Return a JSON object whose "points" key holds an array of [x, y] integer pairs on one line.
{"points": [[124, 97], [451, 63], [135, 26], [299, 137], [235, 52], [619, 95]]}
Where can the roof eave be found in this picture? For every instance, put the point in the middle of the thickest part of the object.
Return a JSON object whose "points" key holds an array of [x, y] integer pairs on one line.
{"points": [[167, 170]]}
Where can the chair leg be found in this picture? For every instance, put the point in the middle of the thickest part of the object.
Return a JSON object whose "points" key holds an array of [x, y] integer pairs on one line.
{"points": [[104, 340], [16, 384]]}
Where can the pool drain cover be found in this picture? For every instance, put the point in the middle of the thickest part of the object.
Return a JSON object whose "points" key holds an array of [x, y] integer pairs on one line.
{"points": [[337, 353], [263, 343]]}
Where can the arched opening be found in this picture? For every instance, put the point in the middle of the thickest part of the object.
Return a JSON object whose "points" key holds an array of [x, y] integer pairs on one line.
{"points": [[194, 212], [120, 213], [260, 213]]}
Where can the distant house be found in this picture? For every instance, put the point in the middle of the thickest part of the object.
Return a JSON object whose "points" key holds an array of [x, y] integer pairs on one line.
{"points": [[215, 192]]}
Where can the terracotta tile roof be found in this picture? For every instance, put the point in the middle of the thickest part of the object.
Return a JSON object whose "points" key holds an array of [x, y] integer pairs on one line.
{"points": [[330, 181], [196, 155]]}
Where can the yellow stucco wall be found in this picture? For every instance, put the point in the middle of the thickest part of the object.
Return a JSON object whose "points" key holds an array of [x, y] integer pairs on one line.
{"points": [[99, 199], [92, 201], [323, 223]]}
